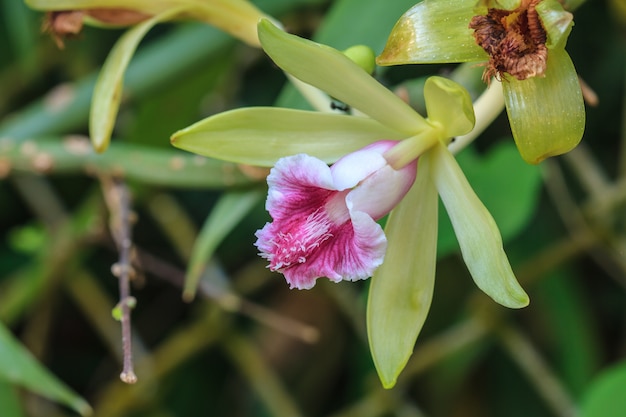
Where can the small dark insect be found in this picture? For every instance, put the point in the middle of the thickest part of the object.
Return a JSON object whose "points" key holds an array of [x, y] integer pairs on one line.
{"points": [[338, 105]]}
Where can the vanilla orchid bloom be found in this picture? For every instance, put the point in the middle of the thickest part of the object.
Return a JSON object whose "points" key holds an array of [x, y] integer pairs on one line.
{"points": [[324, 219], [402, 286]]}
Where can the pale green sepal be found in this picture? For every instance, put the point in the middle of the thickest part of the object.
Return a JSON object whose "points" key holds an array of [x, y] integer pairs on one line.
{"points": [[107, 92], [19, 367], [434, 31], [228, 212], [331, 71], [476, 231], [557, 22], [547, 114], [402, 288], [262, 135], [450, 105]]}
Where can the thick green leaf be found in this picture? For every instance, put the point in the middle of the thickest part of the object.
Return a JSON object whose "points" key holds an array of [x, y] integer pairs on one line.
{"points": [[402, 288], [108, 89], [262, 135], [477, 233], [450, 105], [547, 114], [605, 396], [19, 367], [231, 208], [331, 71], [434, 31], [506, 185]]}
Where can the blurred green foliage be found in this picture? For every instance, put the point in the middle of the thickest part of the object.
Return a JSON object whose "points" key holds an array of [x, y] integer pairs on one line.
{"points": [[246, 345]]}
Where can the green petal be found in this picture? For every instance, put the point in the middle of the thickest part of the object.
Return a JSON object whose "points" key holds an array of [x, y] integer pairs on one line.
{"points": [[262, 135], [547, 115], [402, 288], [557, 22], [434, 31], [450, 105], [108, 89], [477, 233], [331, 71]]}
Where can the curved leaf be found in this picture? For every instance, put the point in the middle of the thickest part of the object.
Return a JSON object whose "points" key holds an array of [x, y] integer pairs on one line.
{"points": [[402, 288], [108, 89], [477, 233], [262, 135], [19, 367], [547, 114], [331, 71], [434, 31]]}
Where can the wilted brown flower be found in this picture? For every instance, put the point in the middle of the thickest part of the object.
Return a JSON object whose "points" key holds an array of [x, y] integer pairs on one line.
{"points": [[514, 39]]}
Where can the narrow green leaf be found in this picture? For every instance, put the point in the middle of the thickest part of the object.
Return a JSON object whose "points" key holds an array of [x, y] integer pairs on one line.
{"points": [[262, 135], [477, 232], [108, 89], [231, 208], [402, 288], [450, 105], [331, 71], [19, 367], [605, 396], [434, 31], [547, 114]]}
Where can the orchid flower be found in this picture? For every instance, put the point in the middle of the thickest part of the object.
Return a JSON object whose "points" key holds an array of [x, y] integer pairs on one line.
{"points": [[402, 287], [324, 218], [524, 43], [237, 17]]}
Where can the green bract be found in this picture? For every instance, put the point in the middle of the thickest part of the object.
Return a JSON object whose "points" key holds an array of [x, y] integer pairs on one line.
{"points": [[547, 114], [237, 17], [402, 287]]}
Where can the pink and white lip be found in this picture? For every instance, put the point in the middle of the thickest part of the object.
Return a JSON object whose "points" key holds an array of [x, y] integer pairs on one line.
{"points": [[324, 218]]}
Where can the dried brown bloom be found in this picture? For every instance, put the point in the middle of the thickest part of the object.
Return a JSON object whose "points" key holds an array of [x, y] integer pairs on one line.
{"points": [[514, 39], [62, 24], [69, 23]]}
